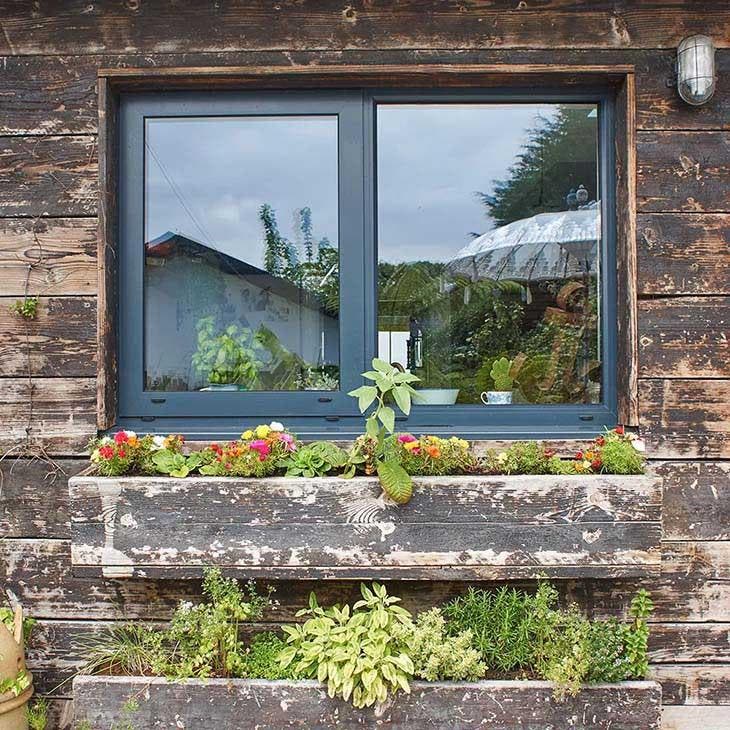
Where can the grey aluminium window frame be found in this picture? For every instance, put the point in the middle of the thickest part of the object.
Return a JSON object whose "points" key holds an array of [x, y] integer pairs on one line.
{"points": [[219, 415]]}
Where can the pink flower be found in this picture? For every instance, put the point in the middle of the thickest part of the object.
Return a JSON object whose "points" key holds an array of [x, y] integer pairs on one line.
{"points": [[121, 437], [262, 447], [407, 438], [288, 439]]}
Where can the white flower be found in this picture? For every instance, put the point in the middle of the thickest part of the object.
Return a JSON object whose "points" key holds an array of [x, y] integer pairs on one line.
{"points": [[106, 441], [95, 456], [158, 442], [638, 444], [131, 434], [185, 605], [276, 426]]}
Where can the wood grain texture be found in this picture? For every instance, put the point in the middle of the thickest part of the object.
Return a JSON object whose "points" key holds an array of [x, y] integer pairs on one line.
{"points": [[683, 171], [63, 415], [62, 252], [686, 418], [257, 24], [454, 527], [695, 718], [626, 262], [685, 338], [48, 176], [107, 275], [696, 503], [693, 684], [684, 253], [701, 643], [57, 94], [61, 340], [221, 704]]}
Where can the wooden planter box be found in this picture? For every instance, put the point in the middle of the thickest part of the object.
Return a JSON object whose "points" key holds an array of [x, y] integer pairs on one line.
{"points": [[463, 528], [263, 704]]}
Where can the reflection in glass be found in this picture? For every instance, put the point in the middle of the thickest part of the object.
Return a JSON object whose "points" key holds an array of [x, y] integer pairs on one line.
{"points": [[241, 276], [489, 242]]}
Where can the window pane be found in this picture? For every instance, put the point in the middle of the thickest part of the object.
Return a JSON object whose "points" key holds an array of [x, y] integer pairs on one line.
{"points": [[241, 253], [488, 241]]}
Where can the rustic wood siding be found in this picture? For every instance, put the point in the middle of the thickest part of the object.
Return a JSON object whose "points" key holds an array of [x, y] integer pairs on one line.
{"points": [[48, 193]]}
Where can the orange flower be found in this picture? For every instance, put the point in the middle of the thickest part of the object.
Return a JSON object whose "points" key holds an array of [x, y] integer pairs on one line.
{"points": [[433, 452], [133, 441]]}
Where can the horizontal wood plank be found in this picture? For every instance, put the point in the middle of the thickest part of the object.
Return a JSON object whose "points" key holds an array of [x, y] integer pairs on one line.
{"points": [[684, 253], [48, 176], [686, 418], [60, 251], [63, 412], [59, 342], [696, 502], [257, 24], [693, 684], [701, 643], [684, 338], [695, 718], [470, 527], [683, 171], [220, 703]]}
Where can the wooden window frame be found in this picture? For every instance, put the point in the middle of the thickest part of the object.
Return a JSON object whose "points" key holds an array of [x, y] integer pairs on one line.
{"points": [[112, 82]]}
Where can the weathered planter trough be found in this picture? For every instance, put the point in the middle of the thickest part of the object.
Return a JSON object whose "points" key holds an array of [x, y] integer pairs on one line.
{"points": [[263, 704], [463, 528]]}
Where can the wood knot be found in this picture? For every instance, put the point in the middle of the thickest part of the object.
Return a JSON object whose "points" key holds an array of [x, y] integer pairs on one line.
{"points": [[349, 14]]}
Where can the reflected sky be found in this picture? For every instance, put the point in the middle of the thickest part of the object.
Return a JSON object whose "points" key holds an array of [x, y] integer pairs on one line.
{"points": [[207, 178]]}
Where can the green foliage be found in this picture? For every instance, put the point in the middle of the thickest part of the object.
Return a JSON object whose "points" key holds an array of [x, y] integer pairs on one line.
{"points": [[389, 383], [620, 456], [262, 658], [15, 685], [637, 635], [26, 308], [438, 656], [131, 649], [357, 651], [314, 460], [7, 618], [501, 376], [435, 456], [203, 640], [524, 457], [175, 464], [231, 356], [37, 714]]}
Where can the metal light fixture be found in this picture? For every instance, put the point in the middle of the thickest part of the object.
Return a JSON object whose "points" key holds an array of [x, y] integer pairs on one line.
{"points": [[696, 69]]}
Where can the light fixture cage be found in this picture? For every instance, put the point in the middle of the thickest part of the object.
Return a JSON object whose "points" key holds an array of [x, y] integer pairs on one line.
{"points": [[696, 78]]}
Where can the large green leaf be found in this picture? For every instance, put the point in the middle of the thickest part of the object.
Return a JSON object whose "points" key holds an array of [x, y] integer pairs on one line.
{"points": [[387, 418], [395, 480], [402, 398]]}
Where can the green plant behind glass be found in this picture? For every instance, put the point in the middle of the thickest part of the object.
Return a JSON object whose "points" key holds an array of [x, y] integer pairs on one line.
{"points": [[230, 356], [390, 385], [501, 376]]}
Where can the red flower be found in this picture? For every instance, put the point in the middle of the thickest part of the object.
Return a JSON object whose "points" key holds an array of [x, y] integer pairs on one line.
{"points": [[106, 452], [549, 453], [121, 437], [228, 465], [600, 441], [619, 430], [122, 453], [596, 463], [579, 455]]}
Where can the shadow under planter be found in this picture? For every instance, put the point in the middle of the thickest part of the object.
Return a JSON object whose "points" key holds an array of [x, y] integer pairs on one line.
{"points": [[262, 704], [461, 527]]}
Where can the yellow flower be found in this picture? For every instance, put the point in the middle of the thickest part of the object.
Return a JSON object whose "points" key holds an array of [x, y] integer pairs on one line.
{"points": [[462, 443], [247, 435], [262, 431], [410, 445]]}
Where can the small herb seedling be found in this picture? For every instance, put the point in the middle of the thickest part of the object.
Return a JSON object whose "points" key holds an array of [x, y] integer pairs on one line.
{"points": [[26, 308]]}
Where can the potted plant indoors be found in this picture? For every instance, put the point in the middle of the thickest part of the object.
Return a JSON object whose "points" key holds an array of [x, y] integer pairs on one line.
{"points": [[16, 682], [228, 359], [439, 392], [501, 374]]}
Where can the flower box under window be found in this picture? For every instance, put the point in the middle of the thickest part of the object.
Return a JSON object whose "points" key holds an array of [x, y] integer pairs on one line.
{"points": [[221, 703], [462, 528]]}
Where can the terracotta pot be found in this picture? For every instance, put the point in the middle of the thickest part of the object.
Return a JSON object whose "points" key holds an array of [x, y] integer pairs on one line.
{"points": [[12, 661]]}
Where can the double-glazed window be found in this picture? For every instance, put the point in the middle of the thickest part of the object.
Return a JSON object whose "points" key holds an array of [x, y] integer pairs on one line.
{"points": [[272, 243]]}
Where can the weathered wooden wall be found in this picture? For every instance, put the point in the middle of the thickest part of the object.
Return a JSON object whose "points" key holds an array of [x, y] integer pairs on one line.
{"points": [[48, 202]]}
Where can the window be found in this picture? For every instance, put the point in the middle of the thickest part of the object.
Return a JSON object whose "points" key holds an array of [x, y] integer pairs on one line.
{"points": [[271, 243]]}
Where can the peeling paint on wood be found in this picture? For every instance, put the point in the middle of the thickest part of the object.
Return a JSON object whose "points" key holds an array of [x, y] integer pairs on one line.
{"points": [[468, 527], [220, 704]]}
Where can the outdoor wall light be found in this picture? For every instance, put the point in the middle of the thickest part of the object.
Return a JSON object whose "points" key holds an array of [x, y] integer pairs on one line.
{"points": [[696, 69]]}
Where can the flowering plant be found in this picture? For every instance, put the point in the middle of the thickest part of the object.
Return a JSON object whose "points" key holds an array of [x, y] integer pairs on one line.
{"points": [[256, 454], [434, 456], [123, 452], [615, 452]]}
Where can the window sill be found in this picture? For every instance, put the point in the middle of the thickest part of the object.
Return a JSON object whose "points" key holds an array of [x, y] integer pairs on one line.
{"points": [[454, 528], [100, 701]]}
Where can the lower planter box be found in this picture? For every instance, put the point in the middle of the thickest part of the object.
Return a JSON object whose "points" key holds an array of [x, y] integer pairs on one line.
{"points": [[460, 527], [220, 704]]}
